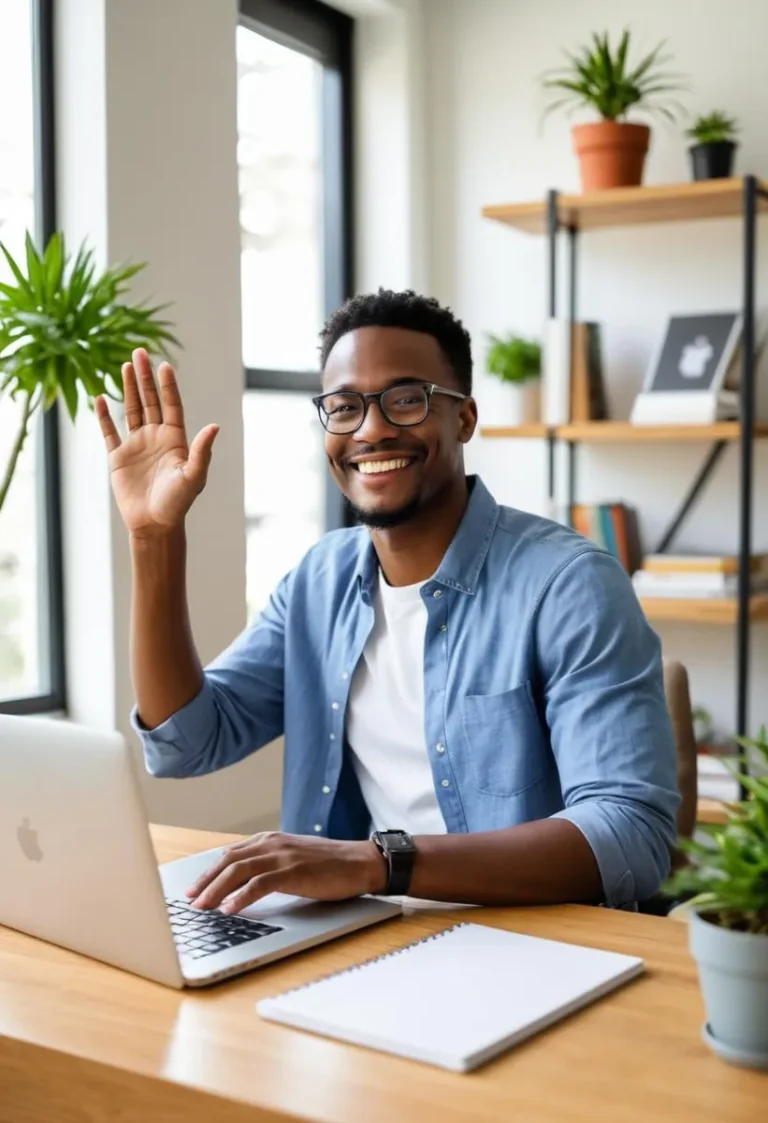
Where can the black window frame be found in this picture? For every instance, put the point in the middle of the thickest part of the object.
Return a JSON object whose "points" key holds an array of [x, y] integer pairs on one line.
{"points": [[50, 515], [324, 34]]}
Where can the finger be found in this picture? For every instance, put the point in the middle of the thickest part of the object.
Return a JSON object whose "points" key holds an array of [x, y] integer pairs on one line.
{"points": [[229, 881], [108, 428], [134, 410], [173, 410], [200, 452], [238, 851], [147, 389], [253, 891]]}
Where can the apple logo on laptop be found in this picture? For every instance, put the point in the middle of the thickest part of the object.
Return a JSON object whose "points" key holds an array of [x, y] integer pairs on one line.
{"points": [[27, 837], [695, 357]]}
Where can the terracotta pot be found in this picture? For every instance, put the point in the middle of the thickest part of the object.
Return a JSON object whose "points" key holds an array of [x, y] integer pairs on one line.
{"points": [[611, 154]]}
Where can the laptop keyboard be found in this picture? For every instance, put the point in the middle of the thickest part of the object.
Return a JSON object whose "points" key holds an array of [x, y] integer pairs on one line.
{"points": [[198, 934]]}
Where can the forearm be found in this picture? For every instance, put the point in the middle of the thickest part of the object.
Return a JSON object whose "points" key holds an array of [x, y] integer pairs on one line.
{"points": [[544, 862], [165, 667]]}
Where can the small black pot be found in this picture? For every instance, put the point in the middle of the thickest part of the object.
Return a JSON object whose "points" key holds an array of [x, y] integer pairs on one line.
{"points": [[712, 161]]}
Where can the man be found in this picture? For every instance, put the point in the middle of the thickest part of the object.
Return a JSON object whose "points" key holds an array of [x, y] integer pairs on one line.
{"points": [[481, 679]]}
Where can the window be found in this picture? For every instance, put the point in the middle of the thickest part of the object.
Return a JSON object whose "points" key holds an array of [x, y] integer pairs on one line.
{"points": [[31, 663], [293, 115]]}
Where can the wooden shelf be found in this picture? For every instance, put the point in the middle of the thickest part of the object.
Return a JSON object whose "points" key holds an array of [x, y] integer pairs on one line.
{"points": [[533, 430], [705, 611], [631, 206], [619, 432]]}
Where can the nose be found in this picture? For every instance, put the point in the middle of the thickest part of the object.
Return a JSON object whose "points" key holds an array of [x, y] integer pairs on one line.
{"points": [[375, 427]]}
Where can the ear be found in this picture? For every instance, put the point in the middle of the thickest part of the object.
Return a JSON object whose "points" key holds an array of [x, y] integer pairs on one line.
{"points": [[467, 420]]}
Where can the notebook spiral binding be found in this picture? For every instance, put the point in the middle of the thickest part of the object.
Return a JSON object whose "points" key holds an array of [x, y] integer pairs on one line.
{"points": [[376, 959]]}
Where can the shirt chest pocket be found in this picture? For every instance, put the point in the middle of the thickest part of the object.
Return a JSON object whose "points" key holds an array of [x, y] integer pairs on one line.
{"points": [[507, 748]]}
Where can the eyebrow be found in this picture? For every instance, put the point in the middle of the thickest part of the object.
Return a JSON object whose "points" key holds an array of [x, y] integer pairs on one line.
{"points": [[403, 380]]}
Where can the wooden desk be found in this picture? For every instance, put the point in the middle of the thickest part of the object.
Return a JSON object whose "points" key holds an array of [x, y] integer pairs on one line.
{"points": [[83, 1043]]}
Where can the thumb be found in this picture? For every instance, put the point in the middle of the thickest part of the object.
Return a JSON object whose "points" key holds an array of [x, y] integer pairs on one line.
{"points": [[200, 452]]}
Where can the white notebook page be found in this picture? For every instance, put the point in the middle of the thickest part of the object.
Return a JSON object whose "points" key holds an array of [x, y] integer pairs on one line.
{"points": [[455, 999]]}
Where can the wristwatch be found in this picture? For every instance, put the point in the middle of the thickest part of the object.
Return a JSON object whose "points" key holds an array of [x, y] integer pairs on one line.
{"points": [[399, 852]]}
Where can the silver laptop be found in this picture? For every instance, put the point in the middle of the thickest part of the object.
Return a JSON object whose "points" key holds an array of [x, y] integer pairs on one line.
{"points": [[77, 868]]}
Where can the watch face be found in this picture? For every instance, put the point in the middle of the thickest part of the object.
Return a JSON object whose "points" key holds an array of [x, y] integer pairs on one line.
{"points": [[397, 840]]}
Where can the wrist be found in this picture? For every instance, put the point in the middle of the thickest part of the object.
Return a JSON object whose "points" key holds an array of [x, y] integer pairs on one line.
{"points": [[157, 540], [376, 868]]}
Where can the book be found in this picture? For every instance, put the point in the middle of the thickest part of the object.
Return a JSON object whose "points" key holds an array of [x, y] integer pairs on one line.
{"points": [[612, 526], [702, 563], [587, 398], [556, 404], [715, 585], [455, 999]]}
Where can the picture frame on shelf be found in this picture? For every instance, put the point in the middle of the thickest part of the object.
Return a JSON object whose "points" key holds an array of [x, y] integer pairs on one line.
{"points": [[686, 382]]}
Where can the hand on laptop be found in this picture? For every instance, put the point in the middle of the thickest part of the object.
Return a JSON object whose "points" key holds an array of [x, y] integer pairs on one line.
{"points": [[156, 475], [302, 865]]}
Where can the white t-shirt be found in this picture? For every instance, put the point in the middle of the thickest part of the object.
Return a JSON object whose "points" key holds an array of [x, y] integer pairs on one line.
{"points": [[385, 716]]}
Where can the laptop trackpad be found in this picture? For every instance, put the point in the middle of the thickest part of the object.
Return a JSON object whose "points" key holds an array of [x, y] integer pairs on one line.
{"points": [[275, 903]]}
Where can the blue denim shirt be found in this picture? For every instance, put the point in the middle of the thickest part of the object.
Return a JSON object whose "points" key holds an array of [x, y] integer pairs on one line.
{"points": [[543, 693]]}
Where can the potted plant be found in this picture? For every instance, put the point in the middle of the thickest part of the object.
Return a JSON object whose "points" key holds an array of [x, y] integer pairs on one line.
{"points": [[714, 135], [612, 151], [518, 361], [728, 877], [63, 328]]}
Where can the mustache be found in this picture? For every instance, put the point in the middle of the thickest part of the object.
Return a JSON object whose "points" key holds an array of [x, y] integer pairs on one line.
{"points": [[391, 448]]}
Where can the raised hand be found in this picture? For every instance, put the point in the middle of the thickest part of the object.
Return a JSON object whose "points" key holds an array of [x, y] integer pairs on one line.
{"points": [[156, 475]]}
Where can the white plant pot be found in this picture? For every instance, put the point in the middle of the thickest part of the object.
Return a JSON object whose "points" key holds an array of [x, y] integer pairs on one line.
{"points": [[733, 973], [524, 403]]}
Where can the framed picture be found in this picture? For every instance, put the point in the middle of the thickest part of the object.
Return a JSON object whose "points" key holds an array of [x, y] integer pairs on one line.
{"points": [[686, 379], [695, 354]]}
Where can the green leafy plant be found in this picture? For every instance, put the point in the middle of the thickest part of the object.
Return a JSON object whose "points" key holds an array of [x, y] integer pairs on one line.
{"points": [[713, 128], [728, 875], [63, 327], [602, 79], [514, 359]]}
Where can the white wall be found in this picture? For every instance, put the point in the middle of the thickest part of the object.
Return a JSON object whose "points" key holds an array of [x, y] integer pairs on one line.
{"points": [[484, 59]]}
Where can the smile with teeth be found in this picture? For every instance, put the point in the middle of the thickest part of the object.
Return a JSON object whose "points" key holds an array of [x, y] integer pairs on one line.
{"points": [[373, 467]]}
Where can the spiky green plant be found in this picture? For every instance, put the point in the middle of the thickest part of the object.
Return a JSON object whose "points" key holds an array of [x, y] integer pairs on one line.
{"points": [[603, 79], [63, 326], [514, 359], [713, 128], [728, 875]]}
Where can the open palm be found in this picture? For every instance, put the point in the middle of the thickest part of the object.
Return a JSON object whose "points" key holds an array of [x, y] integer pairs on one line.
{"points": [[156, 475]]}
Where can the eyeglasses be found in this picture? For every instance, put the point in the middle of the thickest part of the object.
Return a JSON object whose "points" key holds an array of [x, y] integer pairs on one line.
{"points": [[344, 411]]}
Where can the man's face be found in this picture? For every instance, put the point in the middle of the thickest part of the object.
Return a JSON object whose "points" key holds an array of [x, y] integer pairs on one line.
{"points": [[371, 359]]}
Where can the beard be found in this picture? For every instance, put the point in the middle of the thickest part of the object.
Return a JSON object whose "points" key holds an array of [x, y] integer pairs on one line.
{"points": [[383, 520]]}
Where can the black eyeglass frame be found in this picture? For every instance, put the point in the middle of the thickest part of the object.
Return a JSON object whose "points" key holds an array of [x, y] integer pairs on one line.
{"points": [[429, 389]]}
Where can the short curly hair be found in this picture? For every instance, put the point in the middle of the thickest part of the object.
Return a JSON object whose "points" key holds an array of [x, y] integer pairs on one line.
{"points": [[389, 309]]}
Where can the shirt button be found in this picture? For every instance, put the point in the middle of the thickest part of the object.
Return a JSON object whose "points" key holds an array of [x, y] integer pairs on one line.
{"points": [[334, 705], [326, 790], [437, 593], [318, 828], [333, 736], [446, 783], [443, 627], [439, 747], [345, 674]]}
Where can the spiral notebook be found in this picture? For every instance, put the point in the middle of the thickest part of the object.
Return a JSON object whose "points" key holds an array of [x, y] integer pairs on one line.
{"points": [[455, 999]]}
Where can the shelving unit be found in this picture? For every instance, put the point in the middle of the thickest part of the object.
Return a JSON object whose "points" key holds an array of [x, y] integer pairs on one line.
{"points": [[743, 198]]}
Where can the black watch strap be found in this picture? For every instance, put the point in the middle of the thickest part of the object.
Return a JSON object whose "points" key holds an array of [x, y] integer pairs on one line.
{"points": [[399, 852]]}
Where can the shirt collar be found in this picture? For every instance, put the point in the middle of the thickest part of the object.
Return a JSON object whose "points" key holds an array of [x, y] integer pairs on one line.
{"points": [[462, 564]]}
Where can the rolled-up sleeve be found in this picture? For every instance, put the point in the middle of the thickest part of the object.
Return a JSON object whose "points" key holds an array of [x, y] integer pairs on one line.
{"points": [[238, 709], [610, 729]]}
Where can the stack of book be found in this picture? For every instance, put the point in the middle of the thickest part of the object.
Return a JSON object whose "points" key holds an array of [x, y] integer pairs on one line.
{"points": [[613, 526], [710, 577], [715, 781]]}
